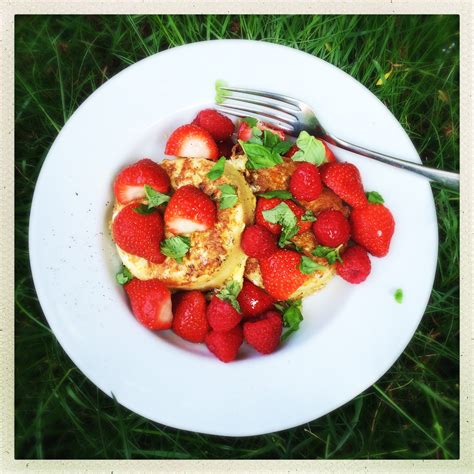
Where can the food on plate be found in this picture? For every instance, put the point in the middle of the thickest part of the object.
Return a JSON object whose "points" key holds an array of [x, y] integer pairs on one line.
{"points": [[222, 240]]}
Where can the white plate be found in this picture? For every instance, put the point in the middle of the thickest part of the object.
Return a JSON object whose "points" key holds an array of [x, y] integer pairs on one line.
{"points": [[351, 334]]}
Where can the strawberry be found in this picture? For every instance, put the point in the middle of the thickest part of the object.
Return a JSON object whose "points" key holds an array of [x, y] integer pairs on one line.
{"points": [[266, 126], [305, 183], [139, 234], [253, 300], [191, 141], [151, 303], [264, 204], [225, 148], [244, 132], [190, 321], [225, 345], [373, 227], [356, 266], [329, 154], [291, 151], [344, 179], [264, 333], [190, 210], [258, 242], [218, 125], [129, 183], [281, 274], [332, 228], [222, 316]]}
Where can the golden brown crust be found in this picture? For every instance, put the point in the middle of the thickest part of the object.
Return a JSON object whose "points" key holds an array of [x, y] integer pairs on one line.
{"points": [[270, 179], [327, 200]]}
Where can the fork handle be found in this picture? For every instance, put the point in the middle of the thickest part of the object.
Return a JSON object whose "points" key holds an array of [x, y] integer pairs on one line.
{"points": [[446, 178]]}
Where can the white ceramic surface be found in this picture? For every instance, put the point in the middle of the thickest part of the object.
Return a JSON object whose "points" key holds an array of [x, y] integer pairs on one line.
{"points": [[351, 334]]}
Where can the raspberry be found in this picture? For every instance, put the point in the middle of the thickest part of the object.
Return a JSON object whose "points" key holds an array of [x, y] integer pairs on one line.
{"points": [[332, 228], [190, 321], [258, 242], [305, 183], [253, 300], [225, 345], [356, 266], [221, 315], [218, 125], [264, 333]]}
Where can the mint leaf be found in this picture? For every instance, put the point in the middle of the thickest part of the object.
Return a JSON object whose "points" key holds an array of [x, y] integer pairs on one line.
{"points": [[219, 98], [144, 209], [259, 157], [229, 196], [123, 276], [308, 216], [307, 266], [310, 149], [270, 139], [375, 197], [283, 215], [176, 247], [217, 170], [230, 292], [398, 295], [331, 254], [155, 198], [282, 147], [292, 317], [250, 121], [281, 194]]}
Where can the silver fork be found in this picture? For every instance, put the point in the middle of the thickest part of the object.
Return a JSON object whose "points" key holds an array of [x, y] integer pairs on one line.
{"points": [[293, 116]]}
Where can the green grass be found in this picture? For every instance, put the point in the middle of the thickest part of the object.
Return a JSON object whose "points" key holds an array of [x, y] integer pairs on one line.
{"points": [[413, 411]]}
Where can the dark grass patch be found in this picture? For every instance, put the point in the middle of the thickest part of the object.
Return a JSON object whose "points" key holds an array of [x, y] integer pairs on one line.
{"points": [[413, 411]]}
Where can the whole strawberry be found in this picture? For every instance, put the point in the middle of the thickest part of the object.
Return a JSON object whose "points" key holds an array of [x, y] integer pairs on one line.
{"points": [[225, 345], [130, 183], [305, 182], [258, 242], [151, 303], [281, 274], [344, 179], [356, 265], [373, 227], [264, 333], [139, 234], [221, 315], [190, 321], [190, 210], [332, 228], [253, 300], [218, 125]]}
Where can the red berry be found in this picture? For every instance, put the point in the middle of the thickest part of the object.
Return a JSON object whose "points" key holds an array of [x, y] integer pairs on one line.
{"points": [[332, 228], [292, 151], [344, 179], [305, 183], [281, 274], [151, 303], [218, 125], [253, 300], [373, 227], [225, 148], [245, 130], [139, 234], [190, 321], [329, 154], [356, 266], [221, 315], [264, 333], [258, 242], [129, 183], [190, 210], [225, 345], [191, 141]]}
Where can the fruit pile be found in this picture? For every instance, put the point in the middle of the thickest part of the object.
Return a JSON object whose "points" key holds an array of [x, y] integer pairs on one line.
{"points": [[262, 315]]}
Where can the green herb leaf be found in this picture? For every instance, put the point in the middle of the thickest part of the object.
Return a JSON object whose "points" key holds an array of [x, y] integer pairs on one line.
{"points": [[123, 276], [398, 295], [230, 292], [308, 216], [155, 198], [331, 254], [219, 92], [270, 139], [259, 157], [282, 147], [176, 247], [310, 149], [229, 196], [250, 121], [375, 197], [144, 209], [217, 170], [292, 317], [283, 215], [281, 194], [307, 266]]}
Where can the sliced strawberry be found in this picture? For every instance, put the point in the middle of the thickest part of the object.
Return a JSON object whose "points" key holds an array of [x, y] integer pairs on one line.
{"points": [[264, 333], [190, 321], [129, 183], [292, 151], [222, 316], [218, 125], [151, 303], [330, 158], [225, 345], [253, 300], [190, 210], [245, 130], [139, 234], [191, 141]]}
